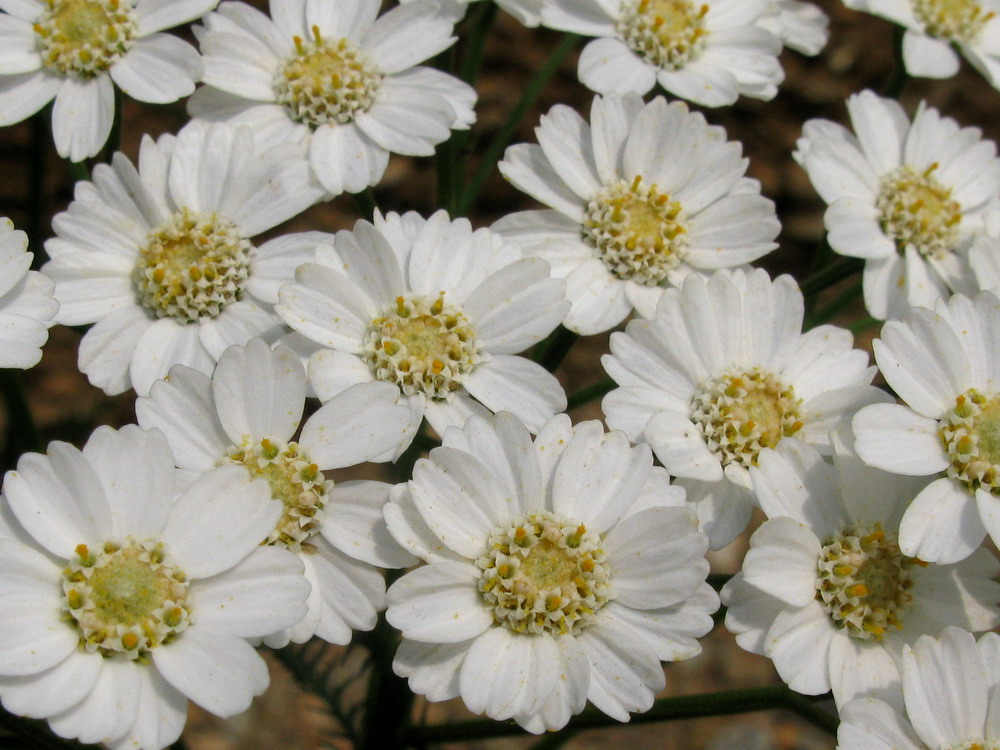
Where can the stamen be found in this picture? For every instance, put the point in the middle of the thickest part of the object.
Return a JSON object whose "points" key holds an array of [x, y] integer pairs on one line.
{"points": [[84, 38], [970, 435], [952, 20], [915, 210], [666, 33]]}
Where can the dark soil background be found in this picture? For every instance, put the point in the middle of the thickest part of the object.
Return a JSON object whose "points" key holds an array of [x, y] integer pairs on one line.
{"points": [[36, 184]]}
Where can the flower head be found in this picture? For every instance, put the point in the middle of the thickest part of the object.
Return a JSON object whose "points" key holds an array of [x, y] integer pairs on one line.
{"points": [[827, 593], [247, 414], [548, 561], [706, 51], [909, 198], [332, 75], [942, 365], [635, 206], [27, 306], [132, 597], [161, 257], [722, 373], [435, 309], [76, 51]]}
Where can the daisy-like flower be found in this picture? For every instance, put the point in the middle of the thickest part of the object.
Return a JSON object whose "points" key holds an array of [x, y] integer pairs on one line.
{"points": [[328, 73], [801, 26], [909, 198], [247, 414], [76, 51], [160, 258], [435, 309], [945, 366], [26, 302], [722, 372], [935, 27], [706, 51], [125, 598], [639, 198], [949, 690], [825, 590], [557, 571]]}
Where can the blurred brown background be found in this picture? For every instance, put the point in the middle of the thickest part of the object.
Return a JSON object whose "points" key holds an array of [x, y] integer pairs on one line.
{"points": [[36, 185]]}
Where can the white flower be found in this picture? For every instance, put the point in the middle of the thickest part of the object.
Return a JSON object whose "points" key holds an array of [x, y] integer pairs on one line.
{"points": [[247, 414], [72, 50], [557, 571], [706, 51], [435, 309], [909, 198], [125, 598], [640, 197], [950, 694], [26, 302], [160, 257], [724, 371], [945, 366], [801, 26], [328, 73], [827, 593], [934, 28]]}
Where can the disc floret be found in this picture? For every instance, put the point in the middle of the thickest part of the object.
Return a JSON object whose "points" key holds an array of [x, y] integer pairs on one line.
{"points": [[916, 210], [863, 581], [666, 33], [952, 20], [125, 599], [544, 574], [423, 345], [295, 481], [970, 435], [326, 82], [638, 231], [192, 266], [84, 38], [741, 412]]}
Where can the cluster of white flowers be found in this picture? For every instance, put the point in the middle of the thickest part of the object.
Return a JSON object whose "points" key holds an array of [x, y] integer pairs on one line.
{"points": [[552, 564]]}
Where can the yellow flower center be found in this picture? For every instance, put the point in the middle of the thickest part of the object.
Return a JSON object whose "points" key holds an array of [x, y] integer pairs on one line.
{"points": [[422, 346], [915, 210], [665, 33], [192, 266], [85, 37], [742, 412], [295, 481], [970, 434], [326, 82], [542, 574], [125, 599], [952, 20], [863, 582], [638, 231]]}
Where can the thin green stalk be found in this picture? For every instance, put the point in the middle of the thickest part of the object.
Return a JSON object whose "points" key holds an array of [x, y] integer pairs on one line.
{"points": [[482, 17], [590, 393], [446, 158], [389, 701], [723, 703], [365, 202], [502, 137], [840, 269], [863, 325], [898, 77], [841, 301], [114, 141], [78, 170], [552, 351]]}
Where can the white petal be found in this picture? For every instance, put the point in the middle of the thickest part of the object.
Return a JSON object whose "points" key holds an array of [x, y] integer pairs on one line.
{"points": [[158, 69], [517, 385], [942, 524], [624, 670], [895, 438], [438, 603], [345, 159], [82, 116]]}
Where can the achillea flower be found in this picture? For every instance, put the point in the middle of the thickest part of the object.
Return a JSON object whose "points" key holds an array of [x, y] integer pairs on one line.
{"points": [[26, 302], [558, 571], [126, 599], [160, 257]]}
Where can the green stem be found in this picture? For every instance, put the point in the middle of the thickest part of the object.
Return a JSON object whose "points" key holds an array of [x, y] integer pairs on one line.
{"points": [[387, 711], [502, 137], [78, 170], [482, 17], [863, 324], [552, 351], [898, 78], [365, 202], [22, 435], [723, 703], [590, 393], [840, 269]]}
